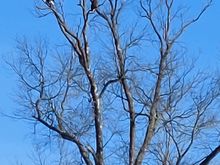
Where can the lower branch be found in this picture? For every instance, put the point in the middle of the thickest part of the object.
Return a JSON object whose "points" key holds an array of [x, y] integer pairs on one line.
{"points": [[211, 156], [68, 137]]}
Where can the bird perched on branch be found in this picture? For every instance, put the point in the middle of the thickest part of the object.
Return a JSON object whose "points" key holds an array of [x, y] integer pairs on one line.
{"points": [[50, 2], [94, 5]]}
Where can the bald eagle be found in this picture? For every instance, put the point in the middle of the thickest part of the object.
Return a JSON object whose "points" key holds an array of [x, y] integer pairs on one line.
{"points": [[50, 2], [94, 5]]}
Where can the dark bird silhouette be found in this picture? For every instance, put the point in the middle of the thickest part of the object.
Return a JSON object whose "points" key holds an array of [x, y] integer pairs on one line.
{"points": [[50, 2], [94, 5]]}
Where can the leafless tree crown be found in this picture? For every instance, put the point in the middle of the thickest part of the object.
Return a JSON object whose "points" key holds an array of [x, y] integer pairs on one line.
{"points": [[121, 89]]}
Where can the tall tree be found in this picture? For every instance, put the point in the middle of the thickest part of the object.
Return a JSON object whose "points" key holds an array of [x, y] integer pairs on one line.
{"points": [[121, 90]]}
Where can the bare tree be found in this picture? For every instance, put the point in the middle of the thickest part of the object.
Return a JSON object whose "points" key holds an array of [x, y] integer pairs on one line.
{"points": [[122, 91]]}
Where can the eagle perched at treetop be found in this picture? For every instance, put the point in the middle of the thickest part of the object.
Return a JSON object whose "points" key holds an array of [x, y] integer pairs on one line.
{"points": [[50, 2], [94, 5]]}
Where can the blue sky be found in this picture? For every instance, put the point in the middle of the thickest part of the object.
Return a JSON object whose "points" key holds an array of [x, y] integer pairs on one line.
{"points": [[18, 20]]}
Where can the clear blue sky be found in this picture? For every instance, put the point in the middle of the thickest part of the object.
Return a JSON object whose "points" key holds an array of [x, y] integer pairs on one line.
{"points": [[17, 20]]}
